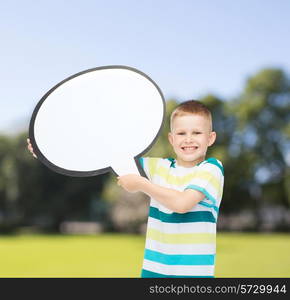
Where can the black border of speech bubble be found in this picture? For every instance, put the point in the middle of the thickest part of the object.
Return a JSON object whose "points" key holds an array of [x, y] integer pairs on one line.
{"points": [[72, 173]]}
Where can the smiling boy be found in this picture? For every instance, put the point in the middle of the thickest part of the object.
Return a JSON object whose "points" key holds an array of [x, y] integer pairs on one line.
{"points": [[185, 196]]}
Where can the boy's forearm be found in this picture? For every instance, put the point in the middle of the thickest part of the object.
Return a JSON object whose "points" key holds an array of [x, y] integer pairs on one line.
{"points": [[170, 198], [176, 201]]}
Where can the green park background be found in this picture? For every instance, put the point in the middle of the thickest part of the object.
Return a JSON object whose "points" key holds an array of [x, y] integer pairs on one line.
{"points": [[53, 225]]}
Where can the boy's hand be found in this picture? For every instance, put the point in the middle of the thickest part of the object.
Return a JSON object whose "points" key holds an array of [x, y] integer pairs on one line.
{"points": [[131, 183], [29, 147]]}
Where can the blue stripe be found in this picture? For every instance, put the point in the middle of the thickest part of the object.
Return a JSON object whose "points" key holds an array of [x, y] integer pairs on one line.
{"points": [[209, 205], [177, 259], [149, 274], [141, 161], [192, 216], [172, 160], [206, 193]]}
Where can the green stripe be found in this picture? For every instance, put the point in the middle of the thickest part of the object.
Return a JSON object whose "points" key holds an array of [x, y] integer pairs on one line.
{"points": [[213, 161], [176, 259], [149, 274], [181, 238], [152, 164], [192, 216]]}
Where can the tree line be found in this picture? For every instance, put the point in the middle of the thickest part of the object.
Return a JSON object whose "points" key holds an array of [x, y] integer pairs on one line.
{"points": [[253, 143]]}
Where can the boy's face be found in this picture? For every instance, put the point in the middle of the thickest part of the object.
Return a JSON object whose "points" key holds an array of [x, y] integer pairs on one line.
{"points": [[190, 137]]}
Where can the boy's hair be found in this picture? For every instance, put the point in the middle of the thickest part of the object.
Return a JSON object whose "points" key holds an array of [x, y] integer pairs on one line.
{"points": [[190, 107]]}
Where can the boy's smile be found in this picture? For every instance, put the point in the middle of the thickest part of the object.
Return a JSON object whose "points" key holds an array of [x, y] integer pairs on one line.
{"points": [[190, 137], [189, 149]]}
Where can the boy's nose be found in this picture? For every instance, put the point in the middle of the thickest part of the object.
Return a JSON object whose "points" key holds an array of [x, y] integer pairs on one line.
{"points": [[188, 138]]}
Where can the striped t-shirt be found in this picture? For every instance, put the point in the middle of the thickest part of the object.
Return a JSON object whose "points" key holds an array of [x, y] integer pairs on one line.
{"points": [[183, 244]]}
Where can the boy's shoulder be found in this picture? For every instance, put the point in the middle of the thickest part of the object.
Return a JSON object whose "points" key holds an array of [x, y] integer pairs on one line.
{"points": [[150, 165], [212, 163]]}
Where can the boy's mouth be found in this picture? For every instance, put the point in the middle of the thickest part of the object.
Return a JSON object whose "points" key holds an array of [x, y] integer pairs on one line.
{"points": [[189, 149]]}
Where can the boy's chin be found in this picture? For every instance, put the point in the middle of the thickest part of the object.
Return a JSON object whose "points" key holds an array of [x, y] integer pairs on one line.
{"points": [[191, 158]]}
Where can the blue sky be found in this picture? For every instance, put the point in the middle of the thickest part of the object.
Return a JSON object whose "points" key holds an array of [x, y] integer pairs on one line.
{"points": [[189, 48]]}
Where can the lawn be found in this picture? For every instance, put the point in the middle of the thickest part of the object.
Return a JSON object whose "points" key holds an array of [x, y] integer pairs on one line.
{"points": [[120, 255]]}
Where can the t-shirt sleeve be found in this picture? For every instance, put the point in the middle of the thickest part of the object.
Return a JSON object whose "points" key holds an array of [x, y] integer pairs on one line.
{"points": [[208, 179], [149, 164]]}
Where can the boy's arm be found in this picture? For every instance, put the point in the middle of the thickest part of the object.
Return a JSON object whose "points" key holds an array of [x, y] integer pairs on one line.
{"points": [[29, 147], [176, 201]]}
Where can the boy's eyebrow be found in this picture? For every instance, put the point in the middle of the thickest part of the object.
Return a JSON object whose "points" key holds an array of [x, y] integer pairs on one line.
{"points": [[193, 129]]}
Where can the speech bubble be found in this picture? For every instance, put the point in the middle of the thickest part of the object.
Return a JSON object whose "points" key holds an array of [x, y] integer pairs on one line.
{"points": [[99, 120]]}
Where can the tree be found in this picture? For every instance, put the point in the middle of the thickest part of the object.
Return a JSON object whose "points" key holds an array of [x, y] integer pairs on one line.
{"points": [[32, 194], [262, 137]]}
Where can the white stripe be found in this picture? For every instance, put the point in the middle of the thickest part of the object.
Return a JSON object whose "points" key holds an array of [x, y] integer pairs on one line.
{"points": [[145, 166], [211, 168], [161, 207], [183, 270], [180, 248], [194, 227]]}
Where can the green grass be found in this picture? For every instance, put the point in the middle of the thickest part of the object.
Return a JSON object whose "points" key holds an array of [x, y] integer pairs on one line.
{"points": [[120, 255], [253, 255]]}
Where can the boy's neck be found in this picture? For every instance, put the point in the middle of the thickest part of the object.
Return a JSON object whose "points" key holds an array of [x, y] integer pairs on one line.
{"points": [[189, 164]]}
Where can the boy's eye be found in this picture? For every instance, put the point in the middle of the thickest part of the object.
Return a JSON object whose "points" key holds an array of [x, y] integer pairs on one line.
{"points": [[197, 132], [181, 133]]}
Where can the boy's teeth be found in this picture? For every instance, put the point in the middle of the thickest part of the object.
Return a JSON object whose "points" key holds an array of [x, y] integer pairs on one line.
{"points": [[189, 148]]}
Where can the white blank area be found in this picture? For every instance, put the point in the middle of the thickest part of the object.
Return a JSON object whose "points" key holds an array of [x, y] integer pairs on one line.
{"points": [[99, 119]]}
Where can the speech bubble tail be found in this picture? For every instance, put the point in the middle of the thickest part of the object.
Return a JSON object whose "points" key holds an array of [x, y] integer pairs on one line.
{"points": [[125, 167]]}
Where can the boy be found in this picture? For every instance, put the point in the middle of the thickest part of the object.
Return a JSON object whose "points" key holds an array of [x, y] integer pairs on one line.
{"points": [[185, 197]]}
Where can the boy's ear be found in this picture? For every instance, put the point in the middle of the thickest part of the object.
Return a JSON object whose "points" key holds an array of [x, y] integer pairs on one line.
{"points": [[170, 138], [212, 138]]}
